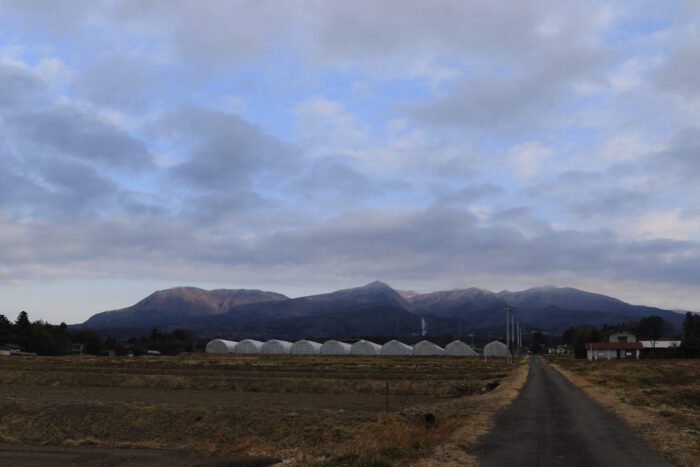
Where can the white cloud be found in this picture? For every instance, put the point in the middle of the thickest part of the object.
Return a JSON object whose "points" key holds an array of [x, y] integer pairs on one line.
{"points": [[527, 160], [325, 127], [672, 224]]}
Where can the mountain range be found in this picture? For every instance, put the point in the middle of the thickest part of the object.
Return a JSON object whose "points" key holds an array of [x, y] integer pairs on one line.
{"points": [[375, 309]]}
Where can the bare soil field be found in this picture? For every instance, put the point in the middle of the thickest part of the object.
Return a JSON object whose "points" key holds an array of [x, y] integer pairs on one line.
{"points": [[303, 410], [658, 399]]}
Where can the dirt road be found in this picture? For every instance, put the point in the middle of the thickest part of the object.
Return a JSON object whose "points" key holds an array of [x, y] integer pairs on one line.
{"points": [[553, 423]]}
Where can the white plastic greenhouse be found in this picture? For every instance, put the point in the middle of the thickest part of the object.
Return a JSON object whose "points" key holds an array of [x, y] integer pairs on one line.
{"points": [[364, 347], [220, 346], [459, 349], [427, 348], [276, 347], [248, 347], [395, 347], [304, 347], [496, 349], [333, 347]]}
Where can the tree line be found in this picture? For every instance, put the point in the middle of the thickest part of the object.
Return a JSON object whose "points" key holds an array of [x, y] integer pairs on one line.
{"points": [[44, 338]]}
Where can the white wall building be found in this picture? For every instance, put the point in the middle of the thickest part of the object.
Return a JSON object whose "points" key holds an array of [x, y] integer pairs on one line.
{"points": [[620, 346]]}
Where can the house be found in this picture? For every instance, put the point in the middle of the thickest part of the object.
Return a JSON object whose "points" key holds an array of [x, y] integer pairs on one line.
{"points": [[620, 345]]}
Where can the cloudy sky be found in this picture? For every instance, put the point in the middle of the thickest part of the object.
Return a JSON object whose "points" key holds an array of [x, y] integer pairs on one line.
{"points": [[309, 145]]}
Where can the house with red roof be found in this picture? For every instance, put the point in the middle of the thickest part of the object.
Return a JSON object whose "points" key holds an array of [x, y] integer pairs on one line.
{"points": [[620, 345]]}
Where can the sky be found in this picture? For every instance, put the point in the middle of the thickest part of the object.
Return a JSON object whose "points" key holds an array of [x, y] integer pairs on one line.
{"points": [[310, 145]]}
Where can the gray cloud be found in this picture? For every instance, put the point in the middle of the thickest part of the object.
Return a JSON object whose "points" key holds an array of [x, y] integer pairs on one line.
{"points": [[682, 157], [227, 152], [451, 243], [679, 74], [120, 81], [17, 84], [465, 194], [609, 202], [80, 134], [515, 101]]}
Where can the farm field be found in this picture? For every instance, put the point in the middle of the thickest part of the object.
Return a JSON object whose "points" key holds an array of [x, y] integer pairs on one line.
{"points": [[659, 399], [304, 410]]}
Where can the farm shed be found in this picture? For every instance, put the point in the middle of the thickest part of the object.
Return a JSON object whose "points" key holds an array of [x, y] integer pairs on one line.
{"points": [[220, 346], [248, 347], [427, 348], [496, 349], [304, 347], [276, 347], [364, 347], [459, 349], [395, 347], [333, 347]]}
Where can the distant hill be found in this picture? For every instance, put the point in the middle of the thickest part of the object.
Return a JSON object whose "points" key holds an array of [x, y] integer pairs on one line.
{"points": [[373, 309], [179, 304]]}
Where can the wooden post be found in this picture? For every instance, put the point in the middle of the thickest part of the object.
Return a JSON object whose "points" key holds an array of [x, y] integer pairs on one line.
{"points": [[387, 396]]}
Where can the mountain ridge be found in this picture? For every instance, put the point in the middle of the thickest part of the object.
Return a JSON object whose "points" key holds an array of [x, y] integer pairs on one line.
{"points": [[255, 311]]}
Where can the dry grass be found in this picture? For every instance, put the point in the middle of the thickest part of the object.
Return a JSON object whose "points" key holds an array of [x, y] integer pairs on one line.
{"points": [[658, 399], [306, 410]]}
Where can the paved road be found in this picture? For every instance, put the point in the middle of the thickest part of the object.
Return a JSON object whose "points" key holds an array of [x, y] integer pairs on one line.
{"points": [[553, 423]]}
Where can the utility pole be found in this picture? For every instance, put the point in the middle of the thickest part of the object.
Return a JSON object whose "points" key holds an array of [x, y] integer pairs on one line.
{"points": [[508, 335], [512, 334]]}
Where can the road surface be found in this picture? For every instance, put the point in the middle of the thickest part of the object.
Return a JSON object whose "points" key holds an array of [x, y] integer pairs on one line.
{"points": [[553, 423]]}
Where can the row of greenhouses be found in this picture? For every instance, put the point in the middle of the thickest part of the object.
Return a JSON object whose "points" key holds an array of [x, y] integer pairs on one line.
{"points": [[334, 347]]}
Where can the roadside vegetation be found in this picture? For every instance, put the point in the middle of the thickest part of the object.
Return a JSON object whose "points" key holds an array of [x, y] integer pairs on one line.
{"points": [[659, 399], [307, 410]]}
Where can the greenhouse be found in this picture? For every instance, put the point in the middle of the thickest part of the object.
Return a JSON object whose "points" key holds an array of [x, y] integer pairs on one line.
{"points": [[304, 347], [220, 346], [364, 347], [427, 348], [276, 347], [333, 347], [496, 349], [395, 347], [248, 347], [459, 349]]}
